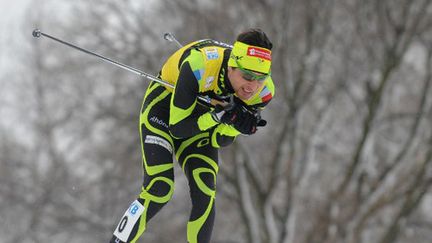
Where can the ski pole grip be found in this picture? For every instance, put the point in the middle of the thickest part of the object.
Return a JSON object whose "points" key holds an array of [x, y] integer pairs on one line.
{"points": [[215, 102]]}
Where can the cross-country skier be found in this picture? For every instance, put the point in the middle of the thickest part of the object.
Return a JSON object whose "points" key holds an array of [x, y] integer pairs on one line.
{"points": [[173, 122]]}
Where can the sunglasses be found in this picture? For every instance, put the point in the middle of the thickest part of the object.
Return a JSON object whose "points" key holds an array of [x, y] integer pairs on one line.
{"points": [[251, 76]]}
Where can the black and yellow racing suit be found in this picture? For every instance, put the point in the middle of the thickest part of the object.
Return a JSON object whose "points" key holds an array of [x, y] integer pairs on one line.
{"points": [[174, 123]]}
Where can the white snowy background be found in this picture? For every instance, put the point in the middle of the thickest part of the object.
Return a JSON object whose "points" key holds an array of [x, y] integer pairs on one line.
{"points": [[346, 156]]}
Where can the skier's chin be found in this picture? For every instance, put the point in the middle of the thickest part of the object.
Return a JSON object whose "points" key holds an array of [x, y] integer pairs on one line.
{"points": [[244, 95]]}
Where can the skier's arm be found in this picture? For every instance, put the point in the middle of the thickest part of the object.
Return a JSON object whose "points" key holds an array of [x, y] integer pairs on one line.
{"points": [[184, 122]]}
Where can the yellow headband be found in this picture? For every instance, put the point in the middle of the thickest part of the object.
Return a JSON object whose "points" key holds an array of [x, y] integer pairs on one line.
{"points": [[250, 57]]}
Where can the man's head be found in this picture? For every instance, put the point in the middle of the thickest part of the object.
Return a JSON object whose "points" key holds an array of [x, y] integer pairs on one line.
{"points": [[249, 63]]}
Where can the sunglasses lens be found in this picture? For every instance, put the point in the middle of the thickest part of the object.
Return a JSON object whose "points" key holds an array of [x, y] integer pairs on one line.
{"points": [[248, 76], [261, 78]]}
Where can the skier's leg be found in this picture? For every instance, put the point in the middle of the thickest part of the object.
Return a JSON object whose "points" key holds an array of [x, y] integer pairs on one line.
{"points": [[199, 161], [158, 185]]}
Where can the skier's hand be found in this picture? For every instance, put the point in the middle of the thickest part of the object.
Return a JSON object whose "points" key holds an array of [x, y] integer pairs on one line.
{"points": [[224, 113], [237, 114], [247, 122]]}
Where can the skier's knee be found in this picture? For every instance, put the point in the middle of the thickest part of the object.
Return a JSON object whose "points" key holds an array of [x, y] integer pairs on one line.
{"points": [[160, 190], [205, 180]]}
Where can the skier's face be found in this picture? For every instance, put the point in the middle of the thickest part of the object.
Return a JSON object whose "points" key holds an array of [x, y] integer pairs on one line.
{"points": [[243, 86]]}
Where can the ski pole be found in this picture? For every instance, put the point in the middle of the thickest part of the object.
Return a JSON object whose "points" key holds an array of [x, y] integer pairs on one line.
{"points": [[207, 100], [171, 38]]}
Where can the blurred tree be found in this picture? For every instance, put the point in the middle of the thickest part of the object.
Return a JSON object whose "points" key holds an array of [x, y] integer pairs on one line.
{"points": [[346, 155]]}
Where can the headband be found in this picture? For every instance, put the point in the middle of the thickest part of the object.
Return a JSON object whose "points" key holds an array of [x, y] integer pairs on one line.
{"points": [[250, 57]]}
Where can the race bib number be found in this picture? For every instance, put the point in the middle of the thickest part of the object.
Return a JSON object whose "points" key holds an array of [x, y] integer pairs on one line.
{"points": [[129, 219]]}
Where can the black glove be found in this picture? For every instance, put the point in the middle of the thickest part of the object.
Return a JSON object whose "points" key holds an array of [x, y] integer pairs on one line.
{"points": [[239, 116], [247, 121], [224, 114]]}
